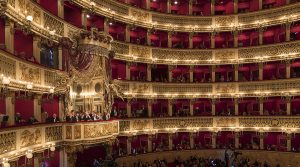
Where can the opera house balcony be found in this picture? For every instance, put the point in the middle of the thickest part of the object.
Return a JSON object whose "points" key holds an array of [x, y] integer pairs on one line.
{"points": [[132, 83]]}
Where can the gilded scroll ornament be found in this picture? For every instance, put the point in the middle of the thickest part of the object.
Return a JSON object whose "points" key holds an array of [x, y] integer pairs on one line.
{"points": [[30, 74]]}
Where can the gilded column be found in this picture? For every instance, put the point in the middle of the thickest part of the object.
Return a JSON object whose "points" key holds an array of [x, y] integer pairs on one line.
{"points": [[236, 38], [261, 105], [260, 71], [9, 36], [191, 72], [260, 36], [127, 70], [149, 75], [236, 106], [10, 108], [36, 48], [170, 74], [128, 107], [236, 140], [150, 101], [213, 106], [260, 4], [150, 149], [288, 105], [213, 73], [106, 25], [148, 4], [60, 58], [289, 142], [212, 40], [129, 140], [84, 18], [149, 37], [236, 6], [127, 33], [60, 8], [287, 31], [170, 137], [288, 69], [212, 7], [236, 72], [170, 107], [261, 140], [192, 140], [191, 34], [169, 6], [37, 107], [214, 140], [190, 7], [170, 39], [192, 102], [61, 107]]}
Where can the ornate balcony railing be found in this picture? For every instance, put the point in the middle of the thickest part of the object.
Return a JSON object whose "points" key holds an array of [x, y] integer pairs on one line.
{"points": [[213, 124], [21, 73], [256, 54], [148, 19], [16, 141], [153, 90], [45, 23]]}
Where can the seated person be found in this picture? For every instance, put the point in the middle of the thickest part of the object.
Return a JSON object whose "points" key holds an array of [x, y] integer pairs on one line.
{"points": [[32, 120], [53, 119], [18, 118]]}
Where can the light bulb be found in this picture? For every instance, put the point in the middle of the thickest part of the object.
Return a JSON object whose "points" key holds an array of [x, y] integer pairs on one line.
{"points": [[52, 148], [51, 90], [29, 86], [5, 81], [6, 164], [29, 18], [29, 155]]}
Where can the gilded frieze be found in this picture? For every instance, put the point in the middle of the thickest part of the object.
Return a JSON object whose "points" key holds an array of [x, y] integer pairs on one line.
{"points": [[141, 124], [225, 54], [141, 88], [100, 130], [31, 137], [30, 73], [224, 21], [182, 123], [270, 122], [225, 88], [225, 122]]}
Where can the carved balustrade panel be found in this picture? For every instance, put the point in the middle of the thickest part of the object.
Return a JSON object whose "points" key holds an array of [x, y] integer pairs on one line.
{"points": [[181, 88], [29, 73], [102, 130], [120, 48], [269, 86], [30, 137], [124, 125], [7, 66], [139, 15], [112, 6], [181, 55], [270, 16], [7, 142], [225, 21], [225, 122], [269, 51], [182, 123], [52, 23], [271, 122], [141, 124], [53, 133], [50, 78], [28, 8], [166, 20]]}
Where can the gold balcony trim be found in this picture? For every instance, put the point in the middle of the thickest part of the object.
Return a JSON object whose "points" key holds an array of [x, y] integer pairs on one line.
{"points": [[161, 21], [154, 55], [216, 90]]}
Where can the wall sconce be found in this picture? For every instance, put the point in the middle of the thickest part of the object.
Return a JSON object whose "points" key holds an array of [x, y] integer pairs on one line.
{"points": [[5, 162], [29, 154]]}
